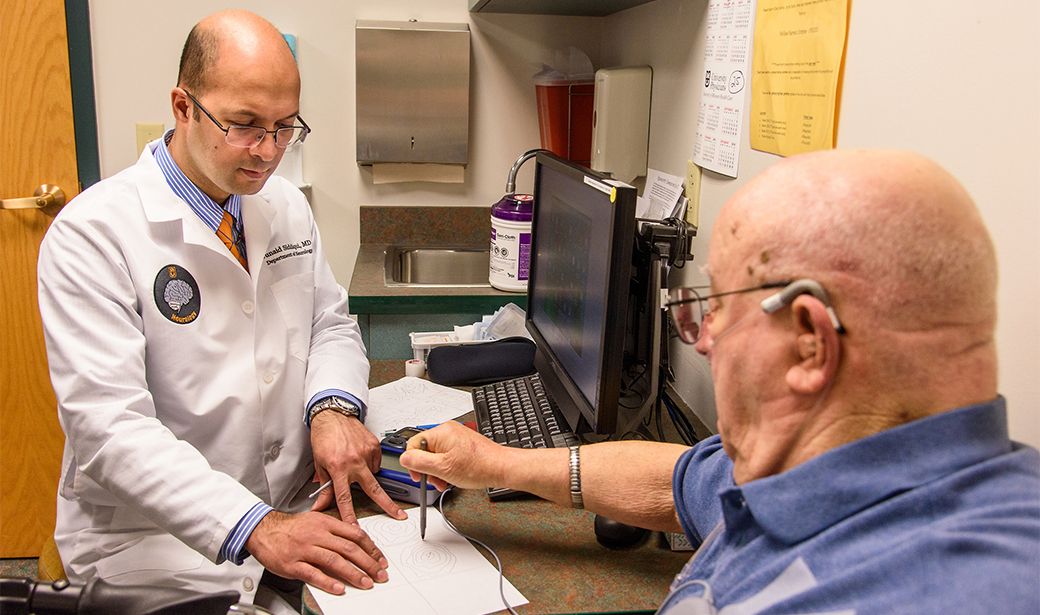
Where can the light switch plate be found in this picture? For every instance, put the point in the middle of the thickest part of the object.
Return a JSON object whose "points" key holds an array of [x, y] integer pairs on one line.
{"points": [[692, 186]]}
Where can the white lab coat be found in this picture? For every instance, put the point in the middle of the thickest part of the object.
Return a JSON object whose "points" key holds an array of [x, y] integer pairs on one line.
{"points": [[175, 430]]}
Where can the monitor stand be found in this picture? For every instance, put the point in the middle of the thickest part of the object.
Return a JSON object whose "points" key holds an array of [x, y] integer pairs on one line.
{"points": [[636, 417]]}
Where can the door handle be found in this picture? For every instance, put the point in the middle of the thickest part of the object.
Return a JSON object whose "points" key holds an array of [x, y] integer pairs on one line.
{"points": [[47, 195]]}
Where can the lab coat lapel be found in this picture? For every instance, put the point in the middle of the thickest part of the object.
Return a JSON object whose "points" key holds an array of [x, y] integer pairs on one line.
{"points": [[163, 206], [258, 220]]}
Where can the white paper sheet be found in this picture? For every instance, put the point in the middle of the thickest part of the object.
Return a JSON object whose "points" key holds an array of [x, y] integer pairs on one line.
{"points": [[444, 574], [413, 401], [660, 196]]}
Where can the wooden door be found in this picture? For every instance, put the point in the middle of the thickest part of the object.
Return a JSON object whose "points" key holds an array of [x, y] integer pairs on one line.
{"points": [[37, 146]]}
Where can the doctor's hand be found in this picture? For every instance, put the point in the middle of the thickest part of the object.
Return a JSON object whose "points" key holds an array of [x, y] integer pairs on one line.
{"points": [[459, 456], [346, 452], [317, 549]]}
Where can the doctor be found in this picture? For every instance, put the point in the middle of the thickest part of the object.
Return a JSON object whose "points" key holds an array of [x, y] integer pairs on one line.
{"points": [[205, 365]]}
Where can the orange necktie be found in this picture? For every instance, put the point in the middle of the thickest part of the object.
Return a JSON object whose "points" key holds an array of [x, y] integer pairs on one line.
{"points": [[226, 232]]}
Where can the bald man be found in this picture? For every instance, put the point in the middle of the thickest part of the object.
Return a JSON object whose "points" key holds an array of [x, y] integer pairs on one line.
{"points": [[205, 365], [863, 463]]}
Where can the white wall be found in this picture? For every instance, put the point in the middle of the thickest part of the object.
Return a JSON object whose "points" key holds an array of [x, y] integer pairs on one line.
{"points": [[959, 82], [956, 81]]}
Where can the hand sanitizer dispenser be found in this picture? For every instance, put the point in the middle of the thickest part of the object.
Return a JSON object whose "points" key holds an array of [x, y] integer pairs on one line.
{"points": [[621, 121]]}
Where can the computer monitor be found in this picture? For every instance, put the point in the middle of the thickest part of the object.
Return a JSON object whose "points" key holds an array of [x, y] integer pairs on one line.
{"points": [[577, 295]]}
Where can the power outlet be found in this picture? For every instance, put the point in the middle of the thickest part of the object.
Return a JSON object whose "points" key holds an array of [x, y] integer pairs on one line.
{"points": [[146, 133], [692, 186]]}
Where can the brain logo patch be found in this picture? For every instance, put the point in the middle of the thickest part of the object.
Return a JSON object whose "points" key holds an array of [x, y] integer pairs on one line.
{"points": [[177, 295]]}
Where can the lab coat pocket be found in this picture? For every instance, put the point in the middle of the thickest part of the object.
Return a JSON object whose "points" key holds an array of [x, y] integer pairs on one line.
{"points": [[147, 555], [295, 298]]}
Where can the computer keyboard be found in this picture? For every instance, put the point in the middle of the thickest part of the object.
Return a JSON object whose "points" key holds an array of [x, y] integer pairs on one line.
{"points": [[520, 413]]}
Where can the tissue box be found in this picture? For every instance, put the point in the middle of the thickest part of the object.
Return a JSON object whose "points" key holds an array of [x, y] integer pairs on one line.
{"points": [[423, 341]]}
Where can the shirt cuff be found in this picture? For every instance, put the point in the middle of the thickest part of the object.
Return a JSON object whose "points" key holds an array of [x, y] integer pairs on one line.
{"points": [[320, 395], [233, 549]]}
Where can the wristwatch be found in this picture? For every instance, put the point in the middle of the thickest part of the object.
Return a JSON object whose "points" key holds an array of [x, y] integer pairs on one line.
{"points": [[336, 404]]}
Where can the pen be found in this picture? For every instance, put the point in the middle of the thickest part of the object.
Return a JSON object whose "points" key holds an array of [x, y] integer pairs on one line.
{"points": [[422, 497], [320, 489]]}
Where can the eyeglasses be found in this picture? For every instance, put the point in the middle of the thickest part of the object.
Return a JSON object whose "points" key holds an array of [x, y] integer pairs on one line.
{"points": [[248, 136], [689, 311]]}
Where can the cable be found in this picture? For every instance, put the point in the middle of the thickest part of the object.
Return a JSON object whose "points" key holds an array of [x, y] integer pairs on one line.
{"points": [[627, 389], [650, 415], [685, 421], [682, 239], [635, 406], [642, 373], [635, 436], [681, 421], [682, 424], [498, 562], [679, 428]]}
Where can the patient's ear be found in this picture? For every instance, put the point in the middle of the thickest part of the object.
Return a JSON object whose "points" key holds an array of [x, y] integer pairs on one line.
{"points": [[816, 346]]}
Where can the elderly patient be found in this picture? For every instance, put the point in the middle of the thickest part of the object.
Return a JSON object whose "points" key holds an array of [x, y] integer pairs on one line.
{"points": [[863, 463]]}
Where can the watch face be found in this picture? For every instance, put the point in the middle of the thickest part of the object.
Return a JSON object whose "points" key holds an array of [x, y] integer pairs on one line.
{"points": [[337, 402]]}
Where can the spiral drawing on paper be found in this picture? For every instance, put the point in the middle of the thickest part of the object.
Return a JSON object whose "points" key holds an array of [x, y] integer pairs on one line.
{"points": [[412, 387], [385, 531], [428, 560]]}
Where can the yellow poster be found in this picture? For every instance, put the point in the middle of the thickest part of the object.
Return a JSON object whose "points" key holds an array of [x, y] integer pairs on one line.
{"points": [[795, 80]]}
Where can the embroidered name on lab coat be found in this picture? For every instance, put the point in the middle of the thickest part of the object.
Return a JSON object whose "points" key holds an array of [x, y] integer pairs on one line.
{"points": [[177, 294], [289, 250]]}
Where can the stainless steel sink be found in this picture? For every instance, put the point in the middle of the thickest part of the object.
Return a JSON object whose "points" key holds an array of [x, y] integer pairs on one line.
{"points": [[436, 266]]}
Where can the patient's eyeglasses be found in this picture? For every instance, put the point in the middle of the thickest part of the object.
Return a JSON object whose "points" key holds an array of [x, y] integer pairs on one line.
{"points": [[248, 136], [690, 311]]}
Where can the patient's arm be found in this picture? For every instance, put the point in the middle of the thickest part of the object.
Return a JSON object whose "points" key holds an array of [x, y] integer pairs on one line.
{"points": [[628, 481]]}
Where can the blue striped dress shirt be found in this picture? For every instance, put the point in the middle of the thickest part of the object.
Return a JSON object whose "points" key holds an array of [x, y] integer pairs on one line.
{"points": [[211, 214]]}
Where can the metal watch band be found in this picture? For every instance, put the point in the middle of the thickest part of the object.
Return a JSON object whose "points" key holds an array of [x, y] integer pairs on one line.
{"points": [[575, 482], [336, 404]]}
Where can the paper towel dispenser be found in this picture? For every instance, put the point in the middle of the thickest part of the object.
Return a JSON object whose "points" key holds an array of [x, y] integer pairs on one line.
{"points": [[621, 121], [412, 92]]}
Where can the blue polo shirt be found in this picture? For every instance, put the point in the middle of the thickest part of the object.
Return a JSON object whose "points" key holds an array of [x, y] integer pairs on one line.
{"points": [[940, 515]]}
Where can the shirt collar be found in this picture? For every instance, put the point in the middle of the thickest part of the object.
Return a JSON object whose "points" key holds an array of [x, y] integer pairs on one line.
{"points": [[817, 494], [204, 207]]}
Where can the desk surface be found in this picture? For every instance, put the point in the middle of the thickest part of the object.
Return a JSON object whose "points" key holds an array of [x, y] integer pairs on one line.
{"points": [[550, 553]]}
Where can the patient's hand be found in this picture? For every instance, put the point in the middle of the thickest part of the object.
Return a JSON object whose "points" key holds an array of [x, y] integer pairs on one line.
{"points": [[457, 455]]}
